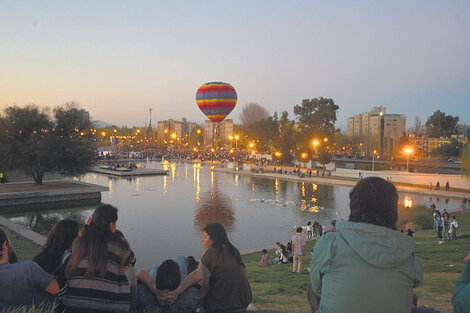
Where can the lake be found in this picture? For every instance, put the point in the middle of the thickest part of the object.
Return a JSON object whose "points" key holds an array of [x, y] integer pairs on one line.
{"points": [[162, 216]]}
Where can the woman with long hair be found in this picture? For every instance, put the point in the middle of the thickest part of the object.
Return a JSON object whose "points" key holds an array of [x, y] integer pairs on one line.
{"points": [[57, 247], [221, 272], [97, 273]]}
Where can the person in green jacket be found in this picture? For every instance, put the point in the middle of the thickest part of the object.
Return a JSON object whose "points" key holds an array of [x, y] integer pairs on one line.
{"points": [[461, 298], [365, 265]]}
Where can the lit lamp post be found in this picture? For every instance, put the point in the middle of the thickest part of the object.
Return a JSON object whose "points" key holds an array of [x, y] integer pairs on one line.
{"points": [[236, 141], [231, 138], [315, 144], [408, 151], [304, 157], [373, 157]]}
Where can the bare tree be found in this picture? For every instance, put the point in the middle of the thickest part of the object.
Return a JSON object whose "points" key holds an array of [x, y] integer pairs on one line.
{"points": [[417, 128], [251, 113]]}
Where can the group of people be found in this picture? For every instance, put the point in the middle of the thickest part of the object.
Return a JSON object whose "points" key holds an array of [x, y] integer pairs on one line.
{"points": [[446, 227], [438, 186], [363, 265], [93, 271]]}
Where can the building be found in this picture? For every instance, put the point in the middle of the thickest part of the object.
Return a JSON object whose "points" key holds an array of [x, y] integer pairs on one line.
{"points": [[169, 131], [217, 131], [424, 146], [377, 129]]}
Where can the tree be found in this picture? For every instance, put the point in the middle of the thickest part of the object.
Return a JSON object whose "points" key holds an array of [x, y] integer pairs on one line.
{"points": [[324, 158], [288, 138], [265, 130], [31, 142], [251, 113], [452, 149], [317, 116], [465, 161], [442, 125], [417, 127]]}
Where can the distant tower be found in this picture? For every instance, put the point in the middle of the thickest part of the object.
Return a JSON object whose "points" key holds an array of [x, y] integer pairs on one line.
{"points": [[149, 129]]}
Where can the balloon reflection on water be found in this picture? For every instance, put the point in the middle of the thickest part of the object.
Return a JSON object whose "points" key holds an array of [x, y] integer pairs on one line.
{"points": [[214, 207]]}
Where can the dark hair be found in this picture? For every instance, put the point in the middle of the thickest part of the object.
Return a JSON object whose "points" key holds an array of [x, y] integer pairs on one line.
{"points": [[299, 229], [60, 239], [92, 242], [168, 275], [191, 264], [12, 258], [375, 201], [219, 238], [265, 251]]}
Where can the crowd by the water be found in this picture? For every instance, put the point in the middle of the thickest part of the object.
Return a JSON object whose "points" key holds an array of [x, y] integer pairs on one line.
{"points": [[222, 155], [360, 265]]}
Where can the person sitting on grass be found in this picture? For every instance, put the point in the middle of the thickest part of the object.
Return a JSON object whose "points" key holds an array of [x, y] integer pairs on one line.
{"points": [[366, 265], [100, 272], [461, 298], [23, 283], [168, 276], [265, 259], [57, 249]]}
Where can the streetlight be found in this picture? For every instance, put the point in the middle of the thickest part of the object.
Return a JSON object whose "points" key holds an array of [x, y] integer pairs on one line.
{"points": [[315, 144], [408, 151], [373, 157], [304, 157], [236, 141]]}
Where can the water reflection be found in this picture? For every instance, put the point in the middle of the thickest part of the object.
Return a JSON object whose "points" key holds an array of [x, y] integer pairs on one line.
{"points": [[215, 207], [43, 221], [162, 217]]}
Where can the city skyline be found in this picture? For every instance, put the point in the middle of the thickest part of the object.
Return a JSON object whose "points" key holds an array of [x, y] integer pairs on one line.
{"points": [[118, 59]]}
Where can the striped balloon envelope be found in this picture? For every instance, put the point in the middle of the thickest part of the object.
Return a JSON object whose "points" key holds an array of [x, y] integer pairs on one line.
{"points": [[216, 100]]}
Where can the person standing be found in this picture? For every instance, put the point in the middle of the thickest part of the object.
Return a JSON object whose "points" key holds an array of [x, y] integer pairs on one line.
{"points": [[439, 225], [309, 230], [446, 223], [447, 186], [454, 225], [298, 250], [430, 186]]}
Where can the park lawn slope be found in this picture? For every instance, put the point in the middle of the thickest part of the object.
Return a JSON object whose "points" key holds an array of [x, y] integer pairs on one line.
{"points": [[276, 289]]}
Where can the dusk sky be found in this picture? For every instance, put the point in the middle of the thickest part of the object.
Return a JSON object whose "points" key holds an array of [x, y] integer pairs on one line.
{"points": [[119, 58]]}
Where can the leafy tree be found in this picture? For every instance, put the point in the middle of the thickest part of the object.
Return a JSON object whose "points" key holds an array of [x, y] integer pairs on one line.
{"points": [[251, 113], [465, 161], [265, 130], [452, 149], [317, 116], [30, 141], [287, 139], [442, 125], [324, 158]]}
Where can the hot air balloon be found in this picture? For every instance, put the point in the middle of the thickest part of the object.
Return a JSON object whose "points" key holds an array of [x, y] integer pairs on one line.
{"points": [[216, 100]]}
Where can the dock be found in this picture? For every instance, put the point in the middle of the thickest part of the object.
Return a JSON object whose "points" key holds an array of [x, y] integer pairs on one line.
{"points": [[125, 172], [19, 197]]}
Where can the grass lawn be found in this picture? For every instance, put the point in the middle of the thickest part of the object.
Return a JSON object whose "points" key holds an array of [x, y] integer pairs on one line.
{"points": [[276, 289], [25, 249]]}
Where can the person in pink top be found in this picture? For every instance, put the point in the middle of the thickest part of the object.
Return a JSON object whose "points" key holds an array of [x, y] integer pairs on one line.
{"points": [[265, 259], [298, 250]]}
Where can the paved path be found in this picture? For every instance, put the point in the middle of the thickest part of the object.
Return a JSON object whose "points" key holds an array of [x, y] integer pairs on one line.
{"points": [[46, 186], [23, 231], [347, 182]]}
